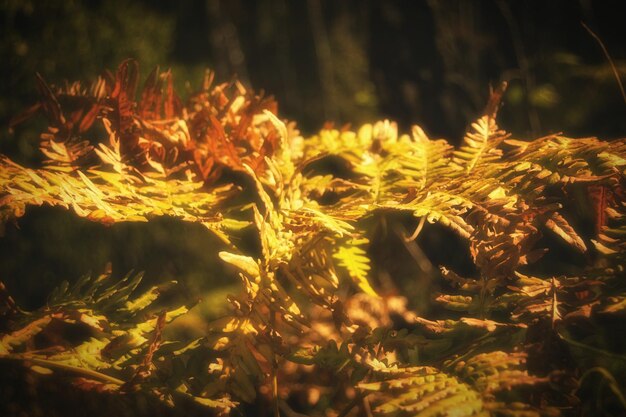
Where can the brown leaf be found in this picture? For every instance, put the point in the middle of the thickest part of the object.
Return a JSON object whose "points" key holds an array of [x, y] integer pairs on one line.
{"points": [[559, 225]]}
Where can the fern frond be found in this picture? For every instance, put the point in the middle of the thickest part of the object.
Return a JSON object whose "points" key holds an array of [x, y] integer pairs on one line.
{"points": [[108, 197], [564, 230], [498, 251], [423, 392], [429, 160], [480, 145], [496, 371], [571, 160], [443, 207], [311, 268], [106, 341], [354, 259], [309, 203], [415, 162]]}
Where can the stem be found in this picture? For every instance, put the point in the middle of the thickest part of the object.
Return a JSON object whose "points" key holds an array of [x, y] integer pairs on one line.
{"points": [[592, 349], [413, 248], [555, 306], [274, 367], [65, 367], [608, 57], [288, 411], [356, 400], [613, 385], [417, 231], [367, 407]]}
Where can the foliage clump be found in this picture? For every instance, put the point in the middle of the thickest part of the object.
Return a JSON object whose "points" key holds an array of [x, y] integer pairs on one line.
{"points": [[314, 328]]}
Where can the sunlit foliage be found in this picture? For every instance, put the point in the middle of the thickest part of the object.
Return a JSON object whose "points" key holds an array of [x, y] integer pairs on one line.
{"points": [[311, 319]]}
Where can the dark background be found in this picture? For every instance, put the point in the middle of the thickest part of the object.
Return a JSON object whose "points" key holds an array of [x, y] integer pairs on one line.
{"points": [[425, 62]]}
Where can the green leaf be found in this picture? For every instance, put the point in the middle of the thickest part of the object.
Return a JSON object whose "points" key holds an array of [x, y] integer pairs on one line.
{"points": [[244, 263], [424, 393], [354, 259]]}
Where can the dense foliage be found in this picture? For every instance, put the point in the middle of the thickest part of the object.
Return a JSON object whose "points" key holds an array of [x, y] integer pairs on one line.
{"points": [[312, 329]]}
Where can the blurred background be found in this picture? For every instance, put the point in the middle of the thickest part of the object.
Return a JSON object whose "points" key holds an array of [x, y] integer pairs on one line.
{"points": [[425, 62], [416, 62]]}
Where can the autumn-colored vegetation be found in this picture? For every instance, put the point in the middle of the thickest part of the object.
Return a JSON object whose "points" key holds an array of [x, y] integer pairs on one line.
{"points": [[313, 329]]}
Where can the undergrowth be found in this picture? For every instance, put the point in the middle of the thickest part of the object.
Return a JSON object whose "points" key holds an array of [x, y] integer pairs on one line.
{"points": [[313, 329]]}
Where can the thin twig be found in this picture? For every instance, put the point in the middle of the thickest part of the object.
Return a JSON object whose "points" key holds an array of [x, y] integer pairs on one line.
{"points": [[367, 407], [592, 348], [613, 385], [7, 300], [355, 401], [274, 366], [417, 231], [555, 304], [413, 248], [495, 98], [608, 57]]}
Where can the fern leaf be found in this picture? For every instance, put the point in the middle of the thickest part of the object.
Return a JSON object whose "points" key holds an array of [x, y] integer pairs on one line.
{"points": [[565, 231], [457, 302], [495, 371], [141, 302], [443, 207], [330, 223], [616, 305], [418, 162], [108, 197], [354, 259], [480, 145], [570, 160], [105, 337], [244, 263], [420, 392], [19, 337]]}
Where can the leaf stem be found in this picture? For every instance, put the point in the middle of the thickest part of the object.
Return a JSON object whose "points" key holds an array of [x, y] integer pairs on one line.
{"points": [[592, 349], [613, 385], [417, 231], [274, 366], [355, 401], [608, 57], [65, 367]]}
